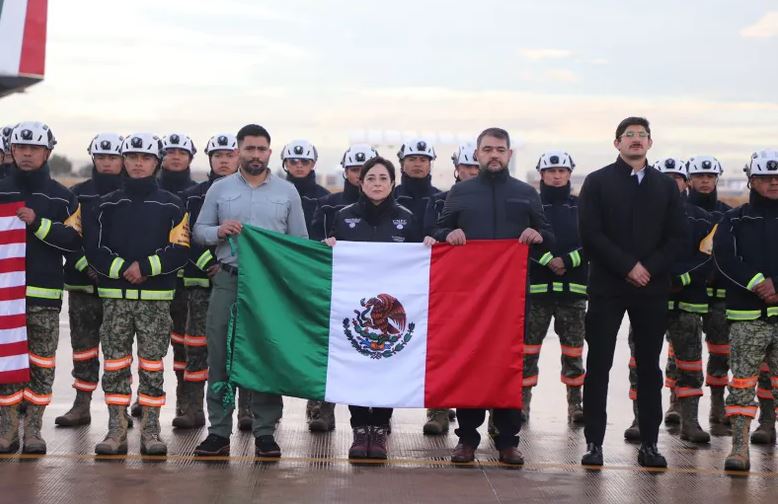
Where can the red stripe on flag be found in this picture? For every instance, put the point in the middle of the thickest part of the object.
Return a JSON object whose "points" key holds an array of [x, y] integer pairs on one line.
{"points": [[13, 321], [33, 57], [17, 348], [11, 293], [9, 209], [475, 333], [16, 376], [13, 236], [12, 264]]}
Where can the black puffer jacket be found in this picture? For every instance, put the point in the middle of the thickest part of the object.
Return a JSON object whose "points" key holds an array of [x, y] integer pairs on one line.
{"points": [[365, 221], [310, 193], [693, 266], [200, 257], [716, 283], [415, 194], [328, 206]]}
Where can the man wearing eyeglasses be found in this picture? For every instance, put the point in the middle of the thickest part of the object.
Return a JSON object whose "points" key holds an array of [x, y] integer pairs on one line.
{"points": [[631, 222], [299, 162]]}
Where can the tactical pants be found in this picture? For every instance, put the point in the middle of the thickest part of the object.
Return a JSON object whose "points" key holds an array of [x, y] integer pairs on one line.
{"points": [[42, 339], [569, 315], [716, 328], [362, 416], [85, 312], [178, 313], [266, 408], [123, 319], [195, 341], [752, 343]]}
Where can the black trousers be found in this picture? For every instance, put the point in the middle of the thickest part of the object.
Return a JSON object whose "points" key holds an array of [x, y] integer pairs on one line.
{"points": [[507, 421], [648, 316], [362, 416]]}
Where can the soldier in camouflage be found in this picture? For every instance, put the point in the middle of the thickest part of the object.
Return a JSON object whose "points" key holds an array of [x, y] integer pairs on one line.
{"points": [[558, 286], [137, 238], [744, 248]]}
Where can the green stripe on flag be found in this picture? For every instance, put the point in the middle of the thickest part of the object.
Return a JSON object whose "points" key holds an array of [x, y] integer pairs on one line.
{"points": [[281, 338]]}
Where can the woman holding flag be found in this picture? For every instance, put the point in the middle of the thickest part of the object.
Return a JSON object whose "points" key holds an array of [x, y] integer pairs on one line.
{"points": [[375, 217]]}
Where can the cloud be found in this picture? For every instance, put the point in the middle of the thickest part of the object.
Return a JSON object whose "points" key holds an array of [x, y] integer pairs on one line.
{"points": [[545, 54], [766, 27]]}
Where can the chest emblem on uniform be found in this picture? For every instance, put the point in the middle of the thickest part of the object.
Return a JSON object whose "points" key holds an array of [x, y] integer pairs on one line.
{"points": [[400, 223], [352, 223], [380, 327]]}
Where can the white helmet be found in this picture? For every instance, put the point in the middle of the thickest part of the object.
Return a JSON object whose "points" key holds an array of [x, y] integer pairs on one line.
{"points": [[106, 143], [3, 145], [145, 143], [357, 155], [763, 162], [7, 130], [704, 164], [221, 142], [416, 147], [299, 149], [465, 155], [672, 165], [178, 141], [33, 133], [555, 159]]}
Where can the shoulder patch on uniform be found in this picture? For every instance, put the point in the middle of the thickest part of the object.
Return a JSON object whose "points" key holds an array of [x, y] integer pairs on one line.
{"points": [[179, 235], [706, 245], [74, 221]]}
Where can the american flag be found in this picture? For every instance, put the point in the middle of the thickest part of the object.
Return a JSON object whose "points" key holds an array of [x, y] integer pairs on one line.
{"points": [[14, 355]]}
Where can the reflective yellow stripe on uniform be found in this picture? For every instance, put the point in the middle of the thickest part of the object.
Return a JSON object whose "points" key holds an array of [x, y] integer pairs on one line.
{"points": [[538, 288], [772, 311], [43, 293], [43, 230], [156, 265], [577, 288], [204, 259], [81, 264], [575, 258], [558, 286], [693, 307], [116, 267], [740, 315], [89, 289], [545, 258], [686, 279], [134, 295], [197, 282], [758, 278]]}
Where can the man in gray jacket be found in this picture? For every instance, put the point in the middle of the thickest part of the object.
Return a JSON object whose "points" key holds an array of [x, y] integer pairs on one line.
{"points": [[257, 197], [492, 206]]}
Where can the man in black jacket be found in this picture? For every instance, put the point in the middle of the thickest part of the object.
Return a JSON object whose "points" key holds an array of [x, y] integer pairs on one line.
{"points": [[298, 159], [416, 190], [51, 217], [632, 227], [492, 206]]}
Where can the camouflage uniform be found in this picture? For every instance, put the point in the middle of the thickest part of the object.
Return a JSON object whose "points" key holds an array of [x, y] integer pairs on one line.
{"points": [[671, 369], [42, 339], [178, 315], [752, 341], [86, 314], [196, 345], [122, 320]]}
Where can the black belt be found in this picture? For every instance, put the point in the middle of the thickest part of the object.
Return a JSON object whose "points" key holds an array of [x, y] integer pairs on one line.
{"points": [[232, 270]]}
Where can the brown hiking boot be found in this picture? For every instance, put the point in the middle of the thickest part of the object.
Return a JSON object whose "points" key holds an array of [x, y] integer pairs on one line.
{"points": [[574, 409], [9, 429], [765, 431], [674, 412], [511, 455], [115, 442], [245, 417], [690, 427], [33, 442], [738, 459], [192, 416], [633, 431], [320, 415], [437, 422], [361, 443], [377, 447], [463, 453], [150, 442], [79, 414]]}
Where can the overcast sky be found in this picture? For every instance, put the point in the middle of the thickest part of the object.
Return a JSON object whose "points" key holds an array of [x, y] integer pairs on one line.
{"points": [[556, 74]]}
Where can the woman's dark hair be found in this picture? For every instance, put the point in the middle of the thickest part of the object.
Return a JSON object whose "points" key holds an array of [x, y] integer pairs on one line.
{"points": [[252, 130], [378, 160], [632, 121]]}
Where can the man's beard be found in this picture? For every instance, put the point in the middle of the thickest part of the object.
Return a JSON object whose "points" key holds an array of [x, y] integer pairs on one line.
{"points": [[486, 167], [253, 170]]}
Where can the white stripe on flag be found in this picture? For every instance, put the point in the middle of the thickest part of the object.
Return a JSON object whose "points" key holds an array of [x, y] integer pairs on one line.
{"points": [[11, 307], [14, 335], [9, 223], [11, 35], [13, 250], [12, 278], [14, 362], [363, 271]]}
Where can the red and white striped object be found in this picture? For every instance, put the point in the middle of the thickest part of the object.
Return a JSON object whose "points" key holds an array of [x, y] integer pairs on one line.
{"points": [[14, 354]]}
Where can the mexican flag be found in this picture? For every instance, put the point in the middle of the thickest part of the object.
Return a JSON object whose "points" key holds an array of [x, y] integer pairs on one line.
{"points": [[380, 324]]}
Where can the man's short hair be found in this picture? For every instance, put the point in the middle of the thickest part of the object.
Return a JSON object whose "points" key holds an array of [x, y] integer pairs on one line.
{"points": [[496, 133], [252, 130], [632, 121]]}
